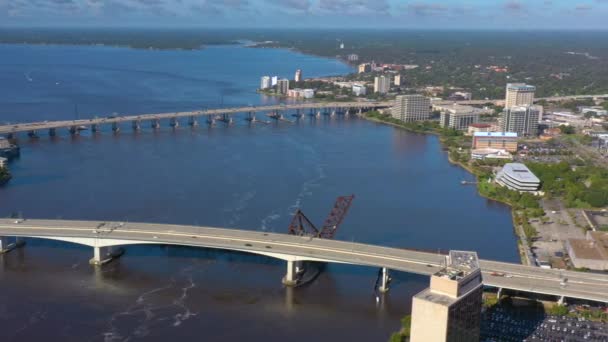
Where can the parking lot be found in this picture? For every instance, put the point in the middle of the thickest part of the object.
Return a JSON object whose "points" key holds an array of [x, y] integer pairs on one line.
{"points": [[499, 324]]}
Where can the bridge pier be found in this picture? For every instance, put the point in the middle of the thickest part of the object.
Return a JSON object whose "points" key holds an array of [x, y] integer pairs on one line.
{"points": [[290, 278], [155, 124], [94, 128], [384, 281], [193, 122], [136, 124], [73, 130], [174, 123], [499, 293], [6, 245], [32, 134], [103, 255], [115, 127], [251, 117], [52, 132], [10, 136], [561, 300]]}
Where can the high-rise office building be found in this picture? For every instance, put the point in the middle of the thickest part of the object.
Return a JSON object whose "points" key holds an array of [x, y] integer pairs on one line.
{"points": [[283, 86], [274, 80], [522, 120], [519, 94], [265, 82], [298, 77], [382, 84], [450, 309], [458, 117], [398, 80], [410, 108], [365, 67]]}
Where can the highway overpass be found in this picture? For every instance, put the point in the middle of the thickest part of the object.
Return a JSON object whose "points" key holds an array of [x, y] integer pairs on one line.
{"points": [[154, 119], [294, 249]]}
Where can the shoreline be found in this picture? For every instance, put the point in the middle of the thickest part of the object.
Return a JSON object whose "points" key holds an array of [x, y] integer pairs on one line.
{"points": [[521, 242]]}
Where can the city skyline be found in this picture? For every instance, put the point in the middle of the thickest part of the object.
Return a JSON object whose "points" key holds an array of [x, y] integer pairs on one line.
{"points": [[446, 14]]}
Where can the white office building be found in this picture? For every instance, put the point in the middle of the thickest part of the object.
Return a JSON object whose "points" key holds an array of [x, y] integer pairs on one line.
{"points": [[397, 80], [274, 80], [265, 82], [410, 108], [298, 76], [518, 177], [458, 117], [522, 120], [382, 84], [359, 90]]}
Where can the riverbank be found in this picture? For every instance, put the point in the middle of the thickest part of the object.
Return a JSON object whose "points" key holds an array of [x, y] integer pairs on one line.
{"points": [[522, 205]]}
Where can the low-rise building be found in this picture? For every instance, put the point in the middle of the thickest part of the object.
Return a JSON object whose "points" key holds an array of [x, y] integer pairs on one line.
{"points": [[301, 93], [499, 140], [490, 153], [359, 90], [600, 111], [518, 177], [591, 252], [3, 162], [352, 57]]}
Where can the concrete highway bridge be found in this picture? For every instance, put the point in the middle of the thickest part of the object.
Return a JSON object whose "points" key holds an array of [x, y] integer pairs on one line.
{"points": [[103, 236], [223, 114]]}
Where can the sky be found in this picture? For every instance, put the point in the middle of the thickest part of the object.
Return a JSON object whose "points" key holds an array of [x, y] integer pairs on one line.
{"points": [[425, 14]]}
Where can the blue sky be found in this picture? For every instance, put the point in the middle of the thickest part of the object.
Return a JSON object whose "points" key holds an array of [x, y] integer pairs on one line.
{"points": [[429, 14]]}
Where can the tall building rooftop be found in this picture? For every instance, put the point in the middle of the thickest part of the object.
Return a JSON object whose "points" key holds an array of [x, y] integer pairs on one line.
{"points": [[496, 134], [521, 87], [459, 265], [520, 172]]}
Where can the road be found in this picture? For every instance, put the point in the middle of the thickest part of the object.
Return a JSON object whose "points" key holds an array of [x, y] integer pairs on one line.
{"points": [[289, 247], [45, 125]]}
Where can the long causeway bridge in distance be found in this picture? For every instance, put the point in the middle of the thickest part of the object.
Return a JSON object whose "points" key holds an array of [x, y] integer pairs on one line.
{"points": [[313, 108], [294, 249]]}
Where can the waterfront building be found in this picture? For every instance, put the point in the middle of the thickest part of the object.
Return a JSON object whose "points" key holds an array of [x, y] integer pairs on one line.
{"points": [[298, 76], [265, 82], [283, 86], [382, 84], [4, 143], [365, 67], [518, 177], [301, 93], [410, 108], [274, 80], [521, 119], [519, 94], [591, 252], [352, 57], [458, 117], [500, 140], [450, 308], [397, 80], [3, 162], [359, 90], [597, 110]]}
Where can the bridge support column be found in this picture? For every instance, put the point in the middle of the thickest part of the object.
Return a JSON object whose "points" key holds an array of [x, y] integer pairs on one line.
{"points": [[136, 125], [561, 300], [6, 245], [52, 132], [10, 136], [32, 134], [174, 123], [94, 128], [73, 130], [115, 127], [193, 122], [384, 281], [155, 124], [499, 293], [360, 111], [103, 255], [290, 277]]}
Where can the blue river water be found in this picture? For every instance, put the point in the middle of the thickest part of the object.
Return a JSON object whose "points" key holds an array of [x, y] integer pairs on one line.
{"points": [[242, 176]]}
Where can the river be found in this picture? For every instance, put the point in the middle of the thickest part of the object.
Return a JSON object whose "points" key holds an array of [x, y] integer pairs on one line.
{"points": [[242, 176]]}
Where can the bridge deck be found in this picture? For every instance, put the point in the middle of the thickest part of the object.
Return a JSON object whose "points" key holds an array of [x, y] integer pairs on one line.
{"points": [[43, 125], [581, 285]]}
